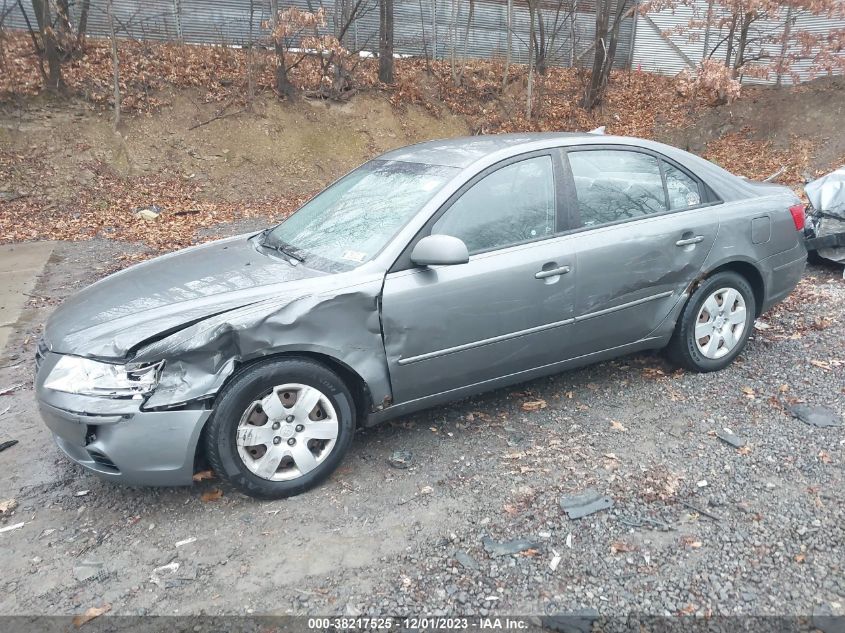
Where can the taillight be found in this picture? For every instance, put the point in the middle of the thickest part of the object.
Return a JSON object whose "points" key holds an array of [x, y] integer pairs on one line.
{"points": [[797, 211]]}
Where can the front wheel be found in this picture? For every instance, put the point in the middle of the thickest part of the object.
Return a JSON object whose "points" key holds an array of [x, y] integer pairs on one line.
{"points": [[715, 324], [280, 427]]}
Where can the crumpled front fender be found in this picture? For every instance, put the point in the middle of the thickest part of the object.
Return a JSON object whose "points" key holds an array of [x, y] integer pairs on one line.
{"points": [[343, 324]]}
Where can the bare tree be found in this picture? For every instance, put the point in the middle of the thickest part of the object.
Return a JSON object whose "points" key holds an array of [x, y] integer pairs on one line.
{"points": [[115, 65], [552, 19], [49, 45], [532, 20], [285, 28], [385, 44], [606, 39], [509, 50], [82, 28]]}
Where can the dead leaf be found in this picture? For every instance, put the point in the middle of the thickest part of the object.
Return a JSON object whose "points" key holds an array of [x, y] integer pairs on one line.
{"points": [[821, 364], [212, 495], [90, 614], [824, 456], [534, 405], [653, 373], [611, 456], [744, 450], [618, 547], [748, 391], [689, 541], [203, 475], [617, 426], [8, 505], [800, 558], [783, 388]]}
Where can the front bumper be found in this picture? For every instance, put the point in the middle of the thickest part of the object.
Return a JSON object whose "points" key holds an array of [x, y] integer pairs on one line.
{"points": [[117, 440]]}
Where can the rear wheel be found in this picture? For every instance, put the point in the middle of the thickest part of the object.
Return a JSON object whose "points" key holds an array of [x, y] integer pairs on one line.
{"points": [[280, 427], [715, 324]]}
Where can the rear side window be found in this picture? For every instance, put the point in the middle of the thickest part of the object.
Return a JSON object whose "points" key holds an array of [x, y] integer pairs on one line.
{"points": [[513, 204], [614, 185], [684, 191]]}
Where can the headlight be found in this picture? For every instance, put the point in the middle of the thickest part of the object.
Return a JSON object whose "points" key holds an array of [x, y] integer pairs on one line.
{"points": [[73, 374]]}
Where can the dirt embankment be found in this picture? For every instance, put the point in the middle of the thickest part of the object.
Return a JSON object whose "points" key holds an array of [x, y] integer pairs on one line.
{"points": [[799, 127], [65, 174], [62, 166]]}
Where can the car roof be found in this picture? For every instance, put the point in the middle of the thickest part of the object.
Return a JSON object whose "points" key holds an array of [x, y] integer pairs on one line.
{"points": [[467, 151], [463, 151]]}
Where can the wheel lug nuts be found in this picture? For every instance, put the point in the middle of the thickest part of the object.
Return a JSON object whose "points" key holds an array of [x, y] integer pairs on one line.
{"points": [[291, 442], [299, 428], [276, 425], [277, 440], [289, 418]]}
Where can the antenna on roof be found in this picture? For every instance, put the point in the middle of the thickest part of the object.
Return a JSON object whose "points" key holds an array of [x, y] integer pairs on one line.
{"points": [[598, 130]]}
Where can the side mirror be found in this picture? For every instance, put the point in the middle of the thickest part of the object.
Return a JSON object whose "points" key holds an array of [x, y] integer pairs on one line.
{"points": [[440, 250]]}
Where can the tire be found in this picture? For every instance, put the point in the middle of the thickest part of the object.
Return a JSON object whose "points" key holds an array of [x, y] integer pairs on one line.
{"points": [[252, 421], [716, 351]]}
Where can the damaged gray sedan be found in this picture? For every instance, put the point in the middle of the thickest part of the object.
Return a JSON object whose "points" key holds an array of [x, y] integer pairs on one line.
{"points": [[432, 273]]}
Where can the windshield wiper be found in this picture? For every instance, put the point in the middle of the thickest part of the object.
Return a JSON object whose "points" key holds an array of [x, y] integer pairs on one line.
{"points": [[282, 247]]}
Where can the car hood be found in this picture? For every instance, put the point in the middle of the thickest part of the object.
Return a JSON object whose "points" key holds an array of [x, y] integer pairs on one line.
{"points": [[117, 314]]}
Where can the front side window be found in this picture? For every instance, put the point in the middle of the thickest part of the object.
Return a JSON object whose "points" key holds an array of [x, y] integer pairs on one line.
{"points": [[352, 220], [615, 185], [513, 204]]}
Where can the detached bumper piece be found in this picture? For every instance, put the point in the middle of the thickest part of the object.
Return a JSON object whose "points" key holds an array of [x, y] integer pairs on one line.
{"points": [[835, 240]]}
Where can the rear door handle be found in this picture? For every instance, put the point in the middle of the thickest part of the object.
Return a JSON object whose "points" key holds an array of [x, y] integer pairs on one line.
{"points": [[542, 274], [690, 240]]}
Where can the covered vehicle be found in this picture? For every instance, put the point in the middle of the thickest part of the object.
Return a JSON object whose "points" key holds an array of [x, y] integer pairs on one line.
{"points": [[432, 273], [825, 227]]}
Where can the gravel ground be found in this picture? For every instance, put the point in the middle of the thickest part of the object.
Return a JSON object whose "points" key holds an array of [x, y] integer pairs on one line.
{"points": [[697, 526]]}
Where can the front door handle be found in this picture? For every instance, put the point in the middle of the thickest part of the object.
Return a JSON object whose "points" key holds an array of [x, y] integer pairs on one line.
{"points": [[690, 240], [542, 274]]}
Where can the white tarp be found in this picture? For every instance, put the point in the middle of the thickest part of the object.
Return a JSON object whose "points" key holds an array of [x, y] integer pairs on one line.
{"points": [[827, 193]]}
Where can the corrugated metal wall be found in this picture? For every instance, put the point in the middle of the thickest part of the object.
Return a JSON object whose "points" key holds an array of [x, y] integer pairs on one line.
{"points": [[666, 43], [421, 27]]}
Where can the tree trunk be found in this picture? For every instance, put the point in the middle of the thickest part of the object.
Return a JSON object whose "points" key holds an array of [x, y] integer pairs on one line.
{"points": [[510, 46], [385, 48], [530, 87], [591, 97], [731, 33], [48, 41], [284, 88], [605, 50], [747, 19], [787, 28], [540, 51], [453, 28], [250, 60], [63, 15], [83, 22], [466, 41], [115, 64]]}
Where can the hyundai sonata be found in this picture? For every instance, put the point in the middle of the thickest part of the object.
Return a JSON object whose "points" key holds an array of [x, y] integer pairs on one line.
{"points": [[431, 273]]}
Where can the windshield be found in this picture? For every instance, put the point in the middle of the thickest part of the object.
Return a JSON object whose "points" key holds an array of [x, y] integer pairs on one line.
{"points": [[352, 220]]}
